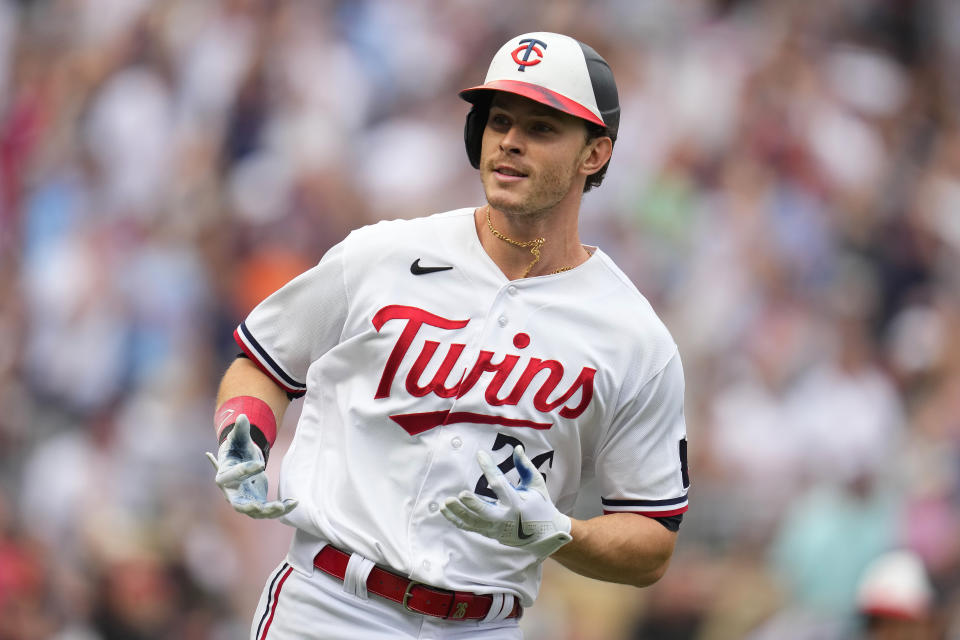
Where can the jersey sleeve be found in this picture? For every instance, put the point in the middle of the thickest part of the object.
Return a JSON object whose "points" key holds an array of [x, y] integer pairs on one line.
{"points": [[641, 464], [298, 323]]}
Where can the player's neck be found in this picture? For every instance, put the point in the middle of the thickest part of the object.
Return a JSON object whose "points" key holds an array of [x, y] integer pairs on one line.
{"points": [[528, 245]]}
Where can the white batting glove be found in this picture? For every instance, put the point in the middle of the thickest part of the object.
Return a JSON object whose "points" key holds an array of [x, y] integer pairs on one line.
{"points": [[240, 474], [523, 516]]}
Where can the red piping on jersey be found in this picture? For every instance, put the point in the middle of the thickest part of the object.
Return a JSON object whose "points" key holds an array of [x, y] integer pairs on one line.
{"points": [[256, 360], [276, 599], [416, 423]]}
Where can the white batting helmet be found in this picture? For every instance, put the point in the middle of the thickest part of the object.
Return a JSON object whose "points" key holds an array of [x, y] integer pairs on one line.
{"points": [[550, 68]]}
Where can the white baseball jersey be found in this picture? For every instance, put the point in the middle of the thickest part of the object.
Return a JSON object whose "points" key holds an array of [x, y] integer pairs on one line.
{"points": [[415, 351]]}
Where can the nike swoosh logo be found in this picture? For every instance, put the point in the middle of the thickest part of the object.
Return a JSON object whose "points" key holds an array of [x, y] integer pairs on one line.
{"points": [[520, 533], [417, 270]]}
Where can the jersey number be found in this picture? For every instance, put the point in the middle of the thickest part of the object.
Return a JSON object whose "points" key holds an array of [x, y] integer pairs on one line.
{"points": [[483, 487]]}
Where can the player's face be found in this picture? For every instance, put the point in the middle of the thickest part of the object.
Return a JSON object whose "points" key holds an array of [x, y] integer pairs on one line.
{"points": [[531, 156]]}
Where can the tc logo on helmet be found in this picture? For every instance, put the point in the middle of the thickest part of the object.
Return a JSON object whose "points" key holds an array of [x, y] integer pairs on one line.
{"points": [[528, 46]]}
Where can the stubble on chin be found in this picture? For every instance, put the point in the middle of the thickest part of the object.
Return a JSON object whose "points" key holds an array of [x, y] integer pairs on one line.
{"points": [[533, 204]]}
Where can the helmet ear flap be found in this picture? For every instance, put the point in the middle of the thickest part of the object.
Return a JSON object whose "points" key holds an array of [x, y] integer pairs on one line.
{"points": [[473, 132]]}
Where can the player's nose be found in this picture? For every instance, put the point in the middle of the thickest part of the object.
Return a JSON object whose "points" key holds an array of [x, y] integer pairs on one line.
{"points": [[512, 140]]}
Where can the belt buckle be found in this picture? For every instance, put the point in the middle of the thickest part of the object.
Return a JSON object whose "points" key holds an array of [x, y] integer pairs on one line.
{"points": [[406, 595]]}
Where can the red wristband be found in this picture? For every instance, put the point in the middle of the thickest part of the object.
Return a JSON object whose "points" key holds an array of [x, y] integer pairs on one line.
{"points": [[257, 411]]}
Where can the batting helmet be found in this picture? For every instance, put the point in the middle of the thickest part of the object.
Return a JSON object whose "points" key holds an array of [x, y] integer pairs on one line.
{"points": [[555, 70]]}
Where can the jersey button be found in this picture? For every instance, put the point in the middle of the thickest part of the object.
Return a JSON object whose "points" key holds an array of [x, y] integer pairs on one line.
{"points": [[512, 290], [456, 443], [502, 321], [434, 507], [426, 565]]}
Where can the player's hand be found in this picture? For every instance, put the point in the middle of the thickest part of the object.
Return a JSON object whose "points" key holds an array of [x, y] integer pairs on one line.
{"points": [[240, 474], [523, 516]]}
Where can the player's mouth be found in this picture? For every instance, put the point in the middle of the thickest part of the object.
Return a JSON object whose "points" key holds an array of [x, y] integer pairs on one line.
{"points": [[506, 173]]}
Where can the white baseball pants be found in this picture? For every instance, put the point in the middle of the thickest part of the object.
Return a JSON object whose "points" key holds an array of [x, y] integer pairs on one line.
{"points": [[296, 606]]}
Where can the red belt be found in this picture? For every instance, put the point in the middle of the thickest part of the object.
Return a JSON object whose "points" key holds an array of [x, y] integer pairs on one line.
{"points": [[414, 596]]}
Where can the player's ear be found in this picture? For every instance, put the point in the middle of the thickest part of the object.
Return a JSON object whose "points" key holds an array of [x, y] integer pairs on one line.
{"points": [[596, 153]]}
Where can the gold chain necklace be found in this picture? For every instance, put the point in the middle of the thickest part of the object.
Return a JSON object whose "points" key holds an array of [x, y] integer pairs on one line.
{"points": [[534, 245]]}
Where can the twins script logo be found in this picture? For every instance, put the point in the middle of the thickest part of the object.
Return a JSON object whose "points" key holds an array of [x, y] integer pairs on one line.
{"points": [[528, 46], [414, 423]]}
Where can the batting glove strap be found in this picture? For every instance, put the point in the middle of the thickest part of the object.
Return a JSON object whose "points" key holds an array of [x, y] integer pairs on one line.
{"points": [[523, 516]]}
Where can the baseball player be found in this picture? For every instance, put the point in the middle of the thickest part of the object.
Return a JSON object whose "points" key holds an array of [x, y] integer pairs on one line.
{"points": [[464, 374]]}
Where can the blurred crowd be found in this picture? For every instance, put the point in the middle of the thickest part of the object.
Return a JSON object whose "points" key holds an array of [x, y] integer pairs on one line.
{"points": [[785, 190]]}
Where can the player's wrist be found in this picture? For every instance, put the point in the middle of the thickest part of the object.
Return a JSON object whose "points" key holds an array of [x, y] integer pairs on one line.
{"points": [[263, 422]]}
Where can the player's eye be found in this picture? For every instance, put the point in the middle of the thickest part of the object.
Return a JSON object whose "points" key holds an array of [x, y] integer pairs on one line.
{"points": [[499, 121]]}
